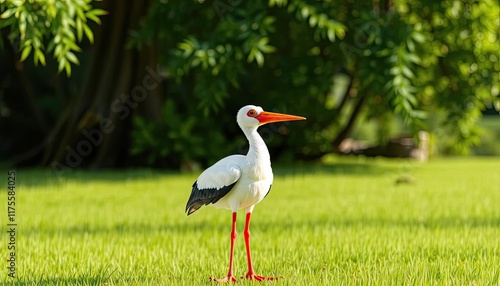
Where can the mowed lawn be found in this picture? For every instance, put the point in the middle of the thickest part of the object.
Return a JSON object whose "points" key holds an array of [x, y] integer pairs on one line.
{"points": [[347, 222]]}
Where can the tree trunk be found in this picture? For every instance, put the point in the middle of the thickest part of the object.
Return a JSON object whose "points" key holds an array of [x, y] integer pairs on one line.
{"points": [[121, 82], [345, 97], [344, 133]]}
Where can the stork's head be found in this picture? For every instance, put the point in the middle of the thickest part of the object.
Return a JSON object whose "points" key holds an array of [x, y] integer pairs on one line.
{"points": [[255, 116]]}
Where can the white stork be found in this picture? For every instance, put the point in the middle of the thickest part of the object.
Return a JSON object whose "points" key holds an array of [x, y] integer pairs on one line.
{"points": [[239, 182]]}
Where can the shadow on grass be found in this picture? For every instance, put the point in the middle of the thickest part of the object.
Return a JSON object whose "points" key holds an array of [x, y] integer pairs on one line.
{"points": [[435, 223], [44, 177], [361, 168], [130, 229], [271, 226]]}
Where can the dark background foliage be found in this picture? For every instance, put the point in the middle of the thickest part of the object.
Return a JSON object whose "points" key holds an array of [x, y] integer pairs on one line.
{"points": [[170, 76]]}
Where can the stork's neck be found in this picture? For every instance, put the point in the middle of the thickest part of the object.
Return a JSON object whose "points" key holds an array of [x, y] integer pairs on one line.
{"points": [[258, 149]]}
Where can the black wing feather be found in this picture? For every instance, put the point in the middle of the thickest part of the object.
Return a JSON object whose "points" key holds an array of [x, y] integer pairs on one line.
{"points": [[268, 191], [200, 197]]}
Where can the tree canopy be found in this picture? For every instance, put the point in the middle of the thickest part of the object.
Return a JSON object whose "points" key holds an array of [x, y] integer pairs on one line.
{"points": [[49, 27], [433, 64]]}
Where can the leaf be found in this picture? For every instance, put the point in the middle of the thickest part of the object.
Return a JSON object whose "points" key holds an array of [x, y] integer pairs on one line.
{"points": [[211, 61], [37, 43], [71, 9], [93, 18], [411, 45], [62, 63], [408, 96], [269, 20], [68, 34], [263, 41], [88, 33], [419, 114], [39, 57], [267, 49], [305, 12], [259, 57], [414, 58], [395, 70], [419, 37], [313, 20], [72, 57], [331, 35], [58, 52], [52, 11], [398, 80], [279, 3], [340, 31], [99, 12], [407, 72], [22, 25], [67, 67], [26, 52], [80, 13], [407, 106], [71, 45], [251, 55], [7, 13], [187, 47], [264, 47], [92, 15], [200, 53], [79, 29]]}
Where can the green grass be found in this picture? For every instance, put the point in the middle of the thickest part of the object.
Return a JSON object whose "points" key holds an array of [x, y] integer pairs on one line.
{"points": [[342, 223]]}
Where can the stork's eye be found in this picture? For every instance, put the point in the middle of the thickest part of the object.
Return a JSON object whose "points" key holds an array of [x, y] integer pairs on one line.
{"points": [[252, 113]]}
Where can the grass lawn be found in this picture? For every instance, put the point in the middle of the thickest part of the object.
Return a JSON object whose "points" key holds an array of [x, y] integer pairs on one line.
{"points": [[342, 223]]}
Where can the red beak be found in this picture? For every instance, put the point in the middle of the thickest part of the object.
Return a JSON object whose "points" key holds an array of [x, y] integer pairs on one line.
{"points": [[269, 117]]}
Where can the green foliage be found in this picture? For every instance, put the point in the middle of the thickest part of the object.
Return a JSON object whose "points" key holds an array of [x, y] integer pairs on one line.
{"points": [[49, 27], [400, 61], [325, 60], [174, 138], [129, 227], [227, 58], [382, 54], [460, 62]]}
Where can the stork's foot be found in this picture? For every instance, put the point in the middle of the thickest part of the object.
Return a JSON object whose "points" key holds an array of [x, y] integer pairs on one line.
{"points": [[226, 279], [253, 276]]}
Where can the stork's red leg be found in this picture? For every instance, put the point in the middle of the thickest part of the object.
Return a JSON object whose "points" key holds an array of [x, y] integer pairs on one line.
{"points": [[230, 277], [251, 273]]}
